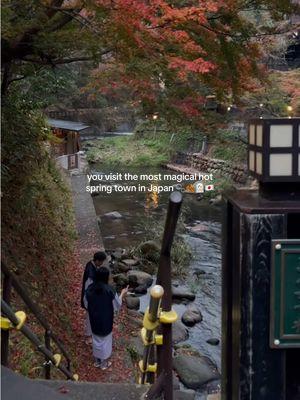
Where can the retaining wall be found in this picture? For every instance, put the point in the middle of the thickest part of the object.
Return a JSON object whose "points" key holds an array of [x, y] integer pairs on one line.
{"points": [[238, 173]]}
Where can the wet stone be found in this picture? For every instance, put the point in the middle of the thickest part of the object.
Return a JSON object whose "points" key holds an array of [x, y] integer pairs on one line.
{"points": [[113, 215], [195, 371], [137, 278], [120, 280], [191, 316], [179, 332], [133, 303], [130, 262], [213, 341], [141, 289], [181, 293]]}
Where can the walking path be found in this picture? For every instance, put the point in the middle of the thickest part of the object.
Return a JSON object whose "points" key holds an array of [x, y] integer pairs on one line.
{"points": [[89, 236], [89, 241]]}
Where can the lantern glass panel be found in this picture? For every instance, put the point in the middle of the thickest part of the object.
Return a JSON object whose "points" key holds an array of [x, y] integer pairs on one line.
{"points": [[259, 163], [281, 135], [252, 134], [259, 135], [299, 164], [280, 164], [251, 160]]}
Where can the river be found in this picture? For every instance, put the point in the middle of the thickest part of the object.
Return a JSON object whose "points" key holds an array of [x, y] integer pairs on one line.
{"points": [[203, 234]]}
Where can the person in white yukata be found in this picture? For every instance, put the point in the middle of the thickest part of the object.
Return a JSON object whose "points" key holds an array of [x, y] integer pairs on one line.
{"points": [[102, 301]]}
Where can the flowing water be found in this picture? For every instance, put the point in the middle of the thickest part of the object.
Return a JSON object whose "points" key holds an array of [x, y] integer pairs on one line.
{"points": [[203, 234]]}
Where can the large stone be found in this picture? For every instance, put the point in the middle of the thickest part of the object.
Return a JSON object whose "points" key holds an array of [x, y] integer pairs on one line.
{"points": [[123, 267], [133, 303], [120, 280], [191, 316], [194, 371], [213, 341], [113, 215], [179, 332], [182, 293], [141, 289], [137, 278], [130, 262], [150, 250], [117, 254]]}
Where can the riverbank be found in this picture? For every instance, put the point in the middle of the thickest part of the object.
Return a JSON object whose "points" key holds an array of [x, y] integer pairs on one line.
{"points": [[125, 219]]}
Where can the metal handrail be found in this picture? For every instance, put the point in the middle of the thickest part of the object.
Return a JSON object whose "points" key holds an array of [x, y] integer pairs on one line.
{"points": [[164, 381], [7, 310], [22, 292]]}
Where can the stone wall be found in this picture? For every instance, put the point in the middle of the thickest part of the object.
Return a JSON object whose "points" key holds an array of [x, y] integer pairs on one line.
{"points": [[238, 173]]}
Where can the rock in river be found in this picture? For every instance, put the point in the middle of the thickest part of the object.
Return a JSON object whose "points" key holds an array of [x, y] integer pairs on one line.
{"points": [[213, 341], [179, 332], [130, 262], [132, 302], [194, 371], [150, 250], [191, 316], [182, 293], [137, 278], [120, 280], [141, 289], [113, 215]]}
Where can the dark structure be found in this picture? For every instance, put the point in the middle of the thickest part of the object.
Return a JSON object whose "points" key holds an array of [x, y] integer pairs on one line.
{"points": [[261, 271], [69, 133]]}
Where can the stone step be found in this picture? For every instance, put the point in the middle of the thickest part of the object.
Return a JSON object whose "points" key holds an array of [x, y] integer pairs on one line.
{"points": [[96, 391], [15, 386]]}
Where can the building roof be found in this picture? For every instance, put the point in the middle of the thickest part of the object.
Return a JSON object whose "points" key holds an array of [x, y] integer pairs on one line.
{"points": [[67, 125]]}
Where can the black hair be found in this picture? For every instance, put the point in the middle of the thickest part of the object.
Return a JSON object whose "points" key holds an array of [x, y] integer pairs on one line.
{"points": [[102, 275], [99, 256]]}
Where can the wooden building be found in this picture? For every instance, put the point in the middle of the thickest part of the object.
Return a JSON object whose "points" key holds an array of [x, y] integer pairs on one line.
{"points": [[69, 133]]}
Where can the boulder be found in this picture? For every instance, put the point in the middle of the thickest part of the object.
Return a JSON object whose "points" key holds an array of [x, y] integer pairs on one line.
{"points": [[191, 316], [213, 341], [141, 289], [150, 250], [130, 262], [123, 267], [120, 280], [117, 254], [182, 293], [132, 302], [113, 215], [137, 278], [179, 332], [194, 371]]}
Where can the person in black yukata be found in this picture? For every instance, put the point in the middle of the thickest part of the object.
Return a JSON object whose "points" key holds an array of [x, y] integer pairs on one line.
{"points": [[88, 278], [102, 302]]}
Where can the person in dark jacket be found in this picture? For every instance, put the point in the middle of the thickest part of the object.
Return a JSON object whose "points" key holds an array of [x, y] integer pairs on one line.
{"points": [[88, 278], [102, 302]]}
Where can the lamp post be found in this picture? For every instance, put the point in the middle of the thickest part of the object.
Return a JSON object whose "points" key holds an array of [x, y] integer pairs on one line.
{"points": [[274, 156], [260, 270]]}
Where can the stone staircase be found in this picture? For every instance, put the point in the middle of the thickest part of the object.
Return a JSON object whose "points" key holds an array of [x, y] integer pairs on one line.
{"points": [[16, 387]]}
